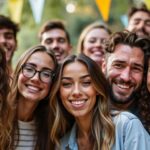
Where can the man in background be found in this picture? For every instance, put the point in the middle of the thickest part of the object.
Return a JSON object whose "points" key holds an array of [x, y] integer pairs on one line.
{"points": [[139, 20], [54, 36], [8, 38]]}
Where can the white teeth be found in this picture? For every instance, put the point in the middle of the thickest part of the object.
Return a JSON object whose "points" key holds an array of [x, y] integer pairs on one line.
{"points": [[123, 86], [33, 88], [78, 102]]}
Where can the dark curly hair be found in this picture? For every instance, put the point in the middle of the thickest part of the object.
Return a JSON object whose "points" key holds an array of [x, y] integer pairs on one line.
{"points": [[144, 101], [4, 90]]}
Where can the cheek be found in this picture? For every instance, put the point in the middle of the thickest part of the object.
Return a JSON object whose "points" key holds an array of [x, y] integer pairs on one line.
{"points": [[21, 81]]}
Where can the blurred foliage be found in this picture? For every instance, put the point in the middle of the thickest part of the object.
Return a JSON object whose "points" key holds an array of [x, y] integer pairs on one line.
{"points": [[86, 12]]}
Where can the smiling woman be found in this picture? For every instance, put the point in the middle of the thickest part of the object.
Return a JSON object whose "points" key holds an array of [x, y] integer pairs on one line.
{"points": [[29, 99]]}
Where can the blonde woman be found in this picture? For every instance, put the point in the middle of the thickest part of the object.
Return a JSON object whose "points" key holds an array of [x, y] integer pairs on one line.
{"points": [[91, 41]]}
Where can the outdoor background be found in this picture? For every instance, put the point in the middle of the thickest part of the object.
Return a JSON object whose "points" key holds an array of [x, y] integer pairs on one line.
{"points": [[86, 11]]}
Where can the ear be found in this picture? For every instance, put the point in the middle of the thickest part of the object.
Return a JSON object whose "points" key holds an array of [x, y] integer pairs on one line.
{"points": [[104, 66]]}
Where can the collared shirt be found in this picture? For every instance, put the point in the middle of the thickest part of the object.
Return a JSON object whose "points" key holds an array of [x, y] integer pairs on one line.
{"points": [[129, 134]]}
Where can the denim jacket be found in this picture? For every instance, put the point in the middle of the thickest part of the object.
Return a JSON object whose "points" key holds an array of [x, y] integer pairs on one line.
{"points": [[129, 134]]}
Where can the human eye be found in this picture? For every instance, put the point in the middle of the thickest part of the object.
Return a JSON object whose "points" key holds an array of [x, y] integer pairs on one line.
{"points": [[28, 68], [136, 22], [61, 40], [92, 40], [9, 36], [48, 41], [46, 74], [86, 82], [148, 23], [137, 69], [118, 65], [66, 84]]}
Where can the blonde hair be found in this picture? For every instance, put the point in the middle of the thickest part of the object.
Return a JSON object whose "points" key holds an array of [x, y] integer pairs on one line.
{"points": [[86, 30]]}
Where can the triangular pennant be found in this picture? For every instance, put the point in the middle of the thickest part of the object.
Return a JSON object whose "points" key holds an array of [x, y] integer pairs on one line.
{"points": [[37, 9], [147, 2], [15, 8], [104, 8], [124, 20]]}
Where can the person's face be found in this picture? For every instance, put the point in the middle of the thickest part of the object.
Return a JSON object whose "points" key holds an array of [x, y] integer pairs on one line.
{"points": [[56, 40], [93, 44], [7, 39], [148, 76], [77, 92], [33, 89], [140, 23], [124, 71]]}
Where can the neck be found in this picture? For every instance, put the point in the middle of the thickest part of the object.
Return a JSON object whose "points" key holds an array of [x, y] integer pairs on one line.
{"points": [[26, 110], [84, 126], [121, 106]]}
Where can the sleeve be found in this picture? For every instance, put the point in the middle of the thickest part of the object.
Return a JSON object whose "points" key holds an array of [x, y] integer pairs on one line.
{"points": [[136, 137]]}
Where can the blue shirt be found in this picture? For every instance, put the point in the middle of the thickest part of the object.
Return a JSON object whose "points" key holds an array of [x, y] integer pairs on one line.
{"points": [[129, 134]]}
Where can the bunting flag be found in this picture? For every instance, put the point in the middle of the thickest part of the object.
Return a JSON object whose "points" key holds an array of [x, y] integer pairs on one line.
{"points": [[104, 8], [147, 2], [15, 9], [37, 9], [124, 20]]}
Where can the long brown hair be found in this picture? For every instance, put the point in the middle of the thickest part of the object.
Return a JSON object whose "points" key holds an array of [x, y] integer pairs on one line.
{"points": [[5, 124], [102, 128], [41, 111]]}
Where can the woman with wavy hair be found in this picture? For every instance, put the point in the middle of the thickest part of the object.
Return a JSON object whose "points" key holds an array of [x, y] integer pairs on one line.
{"points": [[79, 103], [80, 109], [91, 41], [144, 100], [5, 124], [29, 99]]}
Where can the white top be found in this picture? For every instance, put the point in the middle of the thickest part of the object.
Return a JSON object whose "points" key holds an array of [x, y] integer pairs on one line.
{"points": [[27, 136]]}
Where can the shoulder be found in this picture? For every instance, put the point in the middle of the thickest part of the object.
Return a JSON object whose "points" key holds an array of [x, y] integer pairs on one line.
{"points": [[69, 140], [126, 122], [124, 117]]}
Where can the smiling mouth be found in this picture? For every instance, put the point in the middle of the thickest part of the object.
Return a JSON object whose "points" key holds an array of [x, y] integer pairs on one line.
{"points": [[33, 89], [78, 103]]}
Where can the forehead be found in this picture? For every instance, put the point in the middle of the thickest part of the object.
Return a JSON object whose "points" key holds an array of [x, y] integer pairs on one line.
{"points": [[6, 30], [141, 15], [97, 32], [75, 69], [41, 59], [54, 33], [125, 52]]}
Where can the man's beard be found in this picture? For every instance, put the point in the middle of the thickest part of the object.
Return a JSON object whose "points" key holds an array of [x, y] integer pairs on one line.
{"points": [[127, 100]]}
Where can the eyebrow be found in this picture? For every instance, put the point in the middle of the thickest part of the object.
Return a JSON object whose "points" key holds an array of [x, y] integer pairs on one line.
{"points": [[43, 68], [69, 78], [122, 62]]}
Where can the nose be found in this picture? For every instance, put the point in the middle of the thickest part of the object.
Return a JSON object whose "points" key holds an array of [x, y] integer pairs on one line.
{"points": [[76, 92], [55, 44], [99, 43], [125, 74], [36, 77]]}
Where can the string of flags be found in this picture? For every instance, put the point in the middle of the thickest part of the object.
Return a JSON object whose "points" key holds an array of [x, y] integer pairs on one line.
{"points": [[16, 6], [37, 6]]}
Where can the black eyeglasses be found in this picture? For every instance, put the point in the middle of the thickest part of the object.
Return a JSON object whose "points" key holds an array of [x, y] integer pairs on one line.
{"points": [[45, 75]]}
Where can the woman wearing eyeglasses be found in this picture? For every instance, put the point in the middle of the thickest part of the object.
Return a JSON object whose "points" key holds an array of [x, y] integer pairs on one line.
{"points": [[29, 99]]}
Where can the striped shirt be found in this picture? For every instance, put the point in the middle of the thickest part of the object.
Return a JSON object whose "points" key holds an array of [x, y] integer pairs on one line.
{"points": [[27, 136]]}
